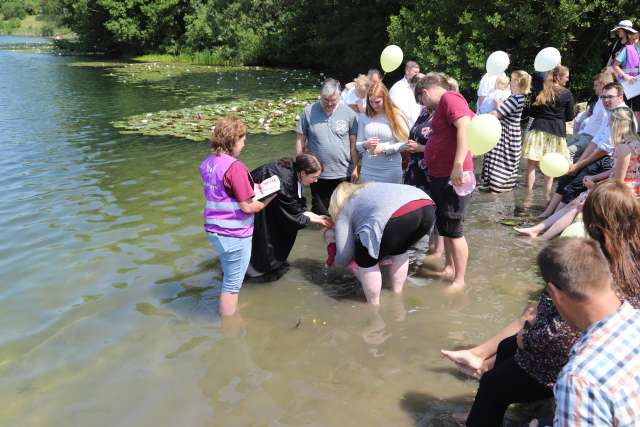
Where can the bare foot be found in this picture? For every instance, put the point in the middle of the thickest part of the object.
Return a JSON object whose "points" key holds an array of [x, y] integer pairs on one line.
{"points": [[527, 231], [454, 288], [473, 373], [447, 274], [468, 362]]}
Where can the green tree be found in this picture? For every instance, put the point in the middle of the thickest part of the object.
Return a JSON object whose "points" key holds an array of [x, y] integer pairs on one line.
{"points": [[126, 26], [457, 37]]}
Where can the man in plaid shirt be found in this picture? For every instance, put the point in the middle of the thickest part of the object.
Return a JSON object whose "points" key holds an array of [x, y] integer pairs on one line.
{"points": [[600, 385]]}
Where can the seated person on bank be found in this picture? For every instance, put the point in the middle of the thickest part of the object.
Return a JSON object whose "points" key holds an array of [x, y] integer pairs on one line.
{"points": [[596, 158], [600, 385]]}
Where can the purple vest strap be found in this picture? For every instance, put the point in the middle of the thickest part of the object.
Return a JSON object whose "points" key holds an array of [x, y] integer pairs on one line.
{"points": [[222, 213], [632, 64]]}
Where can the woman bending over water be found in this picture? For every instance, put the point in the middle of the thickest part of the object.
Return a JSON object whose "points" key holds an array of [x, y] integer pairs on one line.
{"points": [[375, 221]]}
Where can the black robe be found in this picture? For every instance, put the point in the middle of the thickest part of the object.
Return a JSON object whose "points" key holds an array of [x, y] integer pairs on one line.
{"points": [[276, 226]]}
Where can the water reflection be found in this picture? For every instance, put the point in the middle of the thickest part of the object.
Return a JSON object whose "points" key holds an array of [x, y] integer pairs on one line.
{"points": [[110, 286]]}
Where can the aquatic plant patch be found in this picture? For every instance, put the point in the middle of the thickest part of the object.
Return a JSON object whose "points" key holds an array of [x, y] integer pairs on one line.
{"points": [[196, 123], [268, 100]]}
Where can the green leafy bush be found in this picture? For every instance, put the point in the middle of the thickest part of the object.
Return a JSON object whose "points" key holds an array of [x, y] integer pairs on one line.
{"points": [[457, 37]]}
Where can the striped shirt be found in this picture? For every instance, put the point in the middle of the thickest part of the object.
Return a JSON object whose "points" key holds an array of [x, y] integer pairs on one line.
{"points": [[600, 386]]}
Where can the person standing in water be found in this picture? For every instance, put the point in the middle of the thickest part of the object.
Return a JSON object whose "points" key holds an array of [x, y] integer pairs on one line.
{"points": [[229, 207], [448, 158], [276, 227]]}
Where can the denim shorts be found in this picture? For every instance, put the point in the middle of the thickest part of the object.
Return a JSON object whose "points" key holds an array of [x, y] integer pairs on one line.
{"points": [[235, 254]]}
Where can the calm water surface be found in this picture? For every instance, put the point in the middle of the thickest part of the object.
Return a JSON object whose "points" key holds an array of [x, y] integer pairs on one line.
{"points": [[108, 288]]}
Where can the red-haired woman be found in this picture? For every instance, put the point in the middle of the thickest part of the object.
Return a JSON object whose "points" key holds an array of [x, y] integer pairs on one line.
{"points": [[383, 132]]}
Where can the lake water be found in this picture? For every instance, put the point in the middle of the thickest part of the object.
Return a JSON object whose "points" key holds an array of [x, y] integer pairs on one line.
{"points": [[108, 285]]}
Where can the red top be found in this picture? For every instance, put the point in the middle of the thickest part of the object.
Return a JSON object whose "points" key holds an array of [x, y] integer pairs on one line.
{"points": [[440, 152], [411, 206], [237, 182]]}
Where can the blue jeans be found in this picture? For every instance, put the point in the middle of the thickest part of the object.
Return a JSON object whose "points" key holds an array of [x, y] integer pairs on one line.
{"points": [[235, 254]]}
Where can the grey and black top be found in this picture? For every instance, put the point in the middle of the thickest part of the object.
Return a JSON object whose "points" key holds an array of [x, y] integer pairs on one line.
{"points": [[366, 213]]}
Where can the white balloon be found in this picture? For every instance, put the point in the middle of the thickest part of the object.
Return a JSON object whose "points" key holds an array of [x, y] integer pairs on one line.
{"points": [[497, 63], [547, 59]]}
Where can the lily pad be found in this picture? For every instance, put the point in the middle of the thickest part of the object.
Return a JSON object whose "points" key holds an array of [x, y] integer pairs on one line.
{"points": [[196, 123]]}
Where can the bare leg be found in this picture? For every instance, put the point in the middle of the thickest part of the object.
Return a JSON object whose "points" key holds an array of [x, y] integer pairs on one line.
{"points": [[475, 358], [531, 231], [227, 304], [398, 272], [544, 225], [551, 207], [371, 280], [548, 186], [531, 173], [458, 251], [436, 244], [565, 218]]}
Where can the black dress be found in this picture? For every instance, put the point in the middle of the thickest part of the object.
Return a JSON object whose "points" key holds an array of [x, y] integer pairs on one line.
{"points": [[276, 226], [416, 173]]}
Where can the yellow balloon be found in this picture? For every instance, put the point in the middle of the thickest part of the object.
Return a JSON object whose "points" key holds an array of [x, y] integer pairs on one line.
{"points": [[483, 133], [390, 58], [554, 165], [575, 230]]}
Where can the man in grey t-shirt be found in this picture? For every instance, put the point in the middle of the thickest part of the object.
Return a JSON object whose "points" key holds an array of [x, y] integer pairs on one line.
{"points": [[328, 130]]}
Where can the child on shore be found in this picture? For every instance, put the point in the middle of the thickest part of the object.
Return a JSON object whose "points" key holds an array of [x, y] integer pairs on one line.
{"points": [[497, 96], [229, 207]]}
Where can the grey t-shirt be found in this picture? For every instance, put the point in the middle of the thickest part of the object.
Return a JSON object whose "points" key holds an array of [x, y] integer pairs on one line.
{"points": [[366, 213], [328, 137]]}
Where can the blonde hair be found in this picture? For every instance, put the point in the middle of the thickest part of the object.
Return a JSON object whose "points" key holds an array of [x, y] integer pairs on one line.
{"points": [[502, 82], [551, 87], [394, 115], [361, 83], [523, 80], [606, 76], [622, 126], [340, 195]]}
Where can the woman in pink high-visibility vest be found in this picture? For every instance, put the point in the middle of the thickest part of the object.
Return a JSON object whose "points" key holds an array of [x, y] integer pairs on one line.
{"points": [[229, 207], [627, 67]]}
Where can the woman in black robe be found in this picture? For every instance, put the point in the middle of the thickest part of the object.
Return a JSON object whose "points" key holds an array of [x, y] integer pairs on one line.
{"points": [[276, 227]]}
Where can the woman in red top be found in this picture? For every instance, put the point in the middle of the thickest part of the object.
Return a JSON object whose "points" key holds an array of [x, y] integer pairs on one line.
{"points": [[447, 157]]}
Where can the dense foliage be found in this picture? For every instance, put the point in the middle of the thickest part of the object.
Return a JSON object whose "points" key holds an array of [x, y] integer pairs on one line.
{"points": [[327, 34], [13, 12], [347, 36], [457, 37]]}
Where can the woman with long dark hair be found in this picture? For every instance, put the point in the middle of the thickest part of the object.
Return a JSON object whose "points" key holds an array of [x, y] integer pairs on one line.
{"points": [[276, 227]]}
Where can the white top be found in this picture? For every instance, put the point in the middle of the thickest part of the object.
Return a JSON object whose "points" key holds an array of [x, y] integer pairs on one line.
{"points": [[490, 101], [385, 167], [403, 96], [602, 138], [487, 84], [351, 98], [594, 123]]}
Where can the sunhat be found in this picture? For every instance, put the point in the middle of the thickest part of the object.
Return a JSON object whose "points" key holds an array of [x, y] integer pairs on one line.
{"points": [[625, 24]]}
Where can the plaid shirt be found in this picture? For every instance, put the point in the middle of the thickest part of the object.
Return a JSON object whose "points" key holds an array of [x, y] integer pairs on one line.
{"points": [[600, 386]]}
